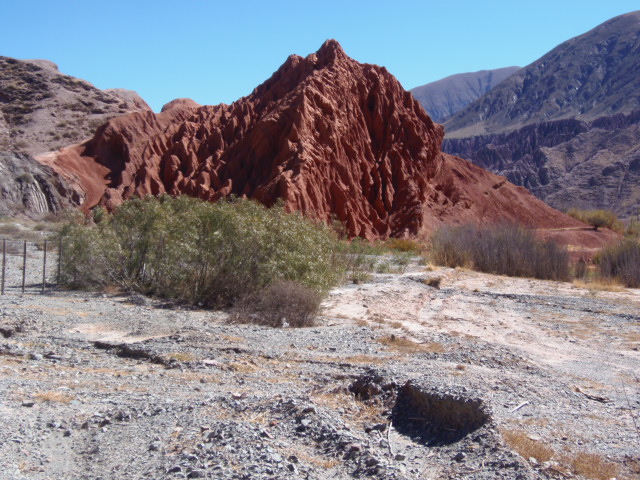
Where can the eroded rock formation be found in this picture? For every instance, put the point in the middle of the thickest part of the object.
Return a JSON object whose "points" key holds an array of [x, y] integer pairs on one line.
{"points": [[30, 188], [326, 134]]}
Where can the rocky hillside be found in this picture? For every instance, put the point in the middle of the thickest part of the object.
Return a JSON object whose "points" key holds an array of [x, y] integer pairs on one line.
{"points": [[567, 163], [326, 134], [447, 96], [31, 189], [589, 76], [566, 126], [42, 109]]}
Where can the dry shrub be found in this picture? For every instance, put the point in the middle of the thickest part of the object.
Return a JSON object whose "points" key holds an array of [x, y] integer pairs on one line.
{"points": [[281, 304], [404, 245], [580, 269], [590, 465], [9, 230], [433, 282], [621, 262], [503, 249], [526, 447], [599, 285]]}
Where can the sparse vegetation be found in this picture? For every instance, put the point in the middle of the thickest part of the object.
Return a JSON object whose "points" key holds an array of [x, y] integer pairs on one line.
{"points": [[198, 252], [633, 229], [504, 249], [359, 259]]}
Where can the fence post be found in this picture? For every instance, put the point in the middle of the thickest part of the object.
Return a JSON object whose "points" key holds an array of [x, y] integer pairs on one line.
{"points": [[24, 265], [44, 267], [4, 260], [59, 261]]}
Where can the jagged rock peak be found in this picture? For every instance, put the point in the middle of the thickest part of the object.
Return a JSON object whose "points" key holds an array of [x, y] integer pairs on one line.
{"points": [[331, 49]]}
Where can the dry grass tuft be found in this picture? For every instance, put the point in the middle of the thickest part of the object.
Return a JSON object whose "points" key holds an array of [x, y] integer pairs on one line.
{"points": [[525, 446], [404, 245], [406, 345], [243, 367], [600, 285], [590, 465], [283, 303], [53, 397], [433, 282], [181, 357]]}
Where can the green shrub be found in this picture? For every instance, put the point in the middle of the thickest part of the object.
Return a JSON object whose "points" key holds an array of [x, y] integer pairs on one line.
{"points": [[621, 262], [500, 249], [199, 252], [404, 245], [597, 218]]}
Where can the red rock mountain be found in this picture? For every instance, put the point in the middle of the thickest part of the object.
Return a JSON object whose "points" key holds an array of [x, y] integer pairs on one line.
{"points": [[326, 134]]}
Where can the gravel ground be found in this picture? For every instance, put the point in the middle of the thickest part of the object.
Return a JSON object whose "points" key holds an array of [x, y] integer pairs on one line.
{"points": [[398, 380]]}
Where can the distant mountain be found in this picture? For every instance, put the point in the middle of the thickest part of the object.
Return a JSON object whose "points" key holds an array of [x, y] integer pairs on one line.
{"points": [[567, 126], [589, 76], [42, 109], [447, 96]]}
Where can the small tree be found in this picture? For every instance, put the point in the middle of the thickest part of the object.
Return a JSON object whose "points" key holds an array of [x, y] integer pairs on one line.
{"points": [[597, 218], [600, 218]]}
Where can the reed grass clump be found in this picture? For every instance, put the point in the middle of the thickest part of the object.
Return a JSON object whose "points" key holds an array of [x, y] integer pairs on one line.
{"points": [[503, 249], [621, 262]]}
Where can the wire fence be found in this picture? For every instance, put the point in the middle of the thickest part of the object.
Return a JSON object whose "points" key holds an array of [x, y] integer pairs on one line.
{"points": [[29, 267]]}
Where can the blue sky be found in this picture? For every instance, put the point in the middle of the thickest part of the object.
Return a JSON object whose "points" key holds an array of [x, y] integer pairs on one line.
{"points": [[218, 51]]}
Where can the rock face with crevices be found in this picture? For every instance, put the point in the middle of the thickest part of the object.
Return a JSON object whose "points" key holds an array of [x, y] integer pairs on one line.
{"points": [[30, 188], [329, 136]]}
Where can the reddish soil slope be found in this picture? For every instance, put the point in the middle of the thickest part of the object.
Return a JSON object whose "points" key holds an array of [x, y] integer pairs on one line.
{"points": [[326, 134]]}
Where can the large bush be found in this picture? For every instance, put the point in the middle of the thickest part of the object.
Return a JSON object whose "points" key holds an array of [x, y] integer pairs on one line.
{"points": [[199, 252], [501, 249], [621, 262]]}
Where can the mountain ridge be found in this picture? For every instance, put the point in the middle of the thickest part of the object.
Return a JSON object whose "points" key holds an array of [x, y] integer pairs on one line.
{"points": [[592, 75], [447, 96], [42, 109]]}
